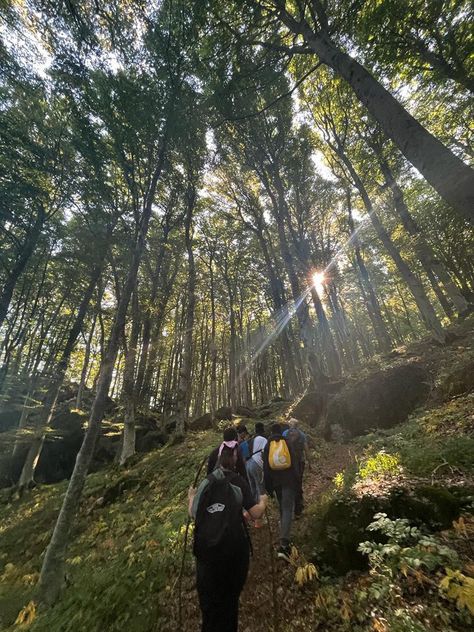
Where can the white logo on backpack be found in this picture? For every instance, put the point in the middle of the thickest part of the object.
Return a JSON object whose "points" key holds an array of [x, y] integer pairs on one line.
{"points": [[215, 507]]}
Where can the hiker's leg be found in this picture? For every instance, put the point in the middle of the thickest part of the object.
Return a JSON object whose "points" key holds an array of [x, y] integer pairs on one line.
{"points": [[251, 465], [238, 569], [259, 480], [211, 597], [278, 493], [299, 504], [287, 508]]}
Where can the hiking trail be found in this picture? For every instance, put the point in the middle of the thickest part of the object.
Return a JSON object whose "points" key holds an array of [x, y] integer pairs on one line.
{"points": [[256, 601]]}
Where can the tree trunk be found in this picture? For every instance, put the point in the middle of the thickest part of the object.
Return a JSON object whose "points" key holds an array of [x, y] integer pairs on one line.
{"points": [[129, 387], [185, 371], [426, 309], [213, 345], [51, 578], [425, 253], [447, 174], [372, 303]]}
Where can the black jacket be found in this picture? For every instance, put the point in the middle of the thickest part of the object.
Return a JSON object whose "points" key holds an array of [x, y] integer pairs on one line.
{"points": [[280, 478]]}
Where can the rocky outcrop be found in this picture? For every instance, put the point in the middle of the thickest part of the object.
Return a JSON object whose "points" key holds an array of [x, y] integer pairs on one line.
{"points": [[204, 422], [381, 400], [459, 380]]}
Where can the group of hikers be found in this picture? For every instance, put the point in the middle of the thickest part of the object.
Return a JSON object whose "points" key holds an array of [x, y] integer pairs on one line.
{"points": [[242, 472]]}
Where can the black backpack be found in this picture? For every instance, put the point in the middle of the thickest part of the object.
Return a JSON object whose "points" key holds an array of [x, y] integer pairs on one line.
{"points": [[219, 530]]}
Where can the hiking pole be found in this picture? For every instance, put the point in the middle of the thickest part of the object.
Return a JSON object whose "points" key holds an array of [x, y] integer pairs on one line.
{"points": [[183, 558], [276, 618]]}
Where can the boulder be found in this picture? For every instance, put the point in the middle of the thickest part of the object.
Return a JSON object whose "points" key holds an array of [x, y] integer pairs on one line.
{"points": [[224, 412], [381, 400], [150, 440], [460, 380], [244, 411], [204, 422], [309, 408]]}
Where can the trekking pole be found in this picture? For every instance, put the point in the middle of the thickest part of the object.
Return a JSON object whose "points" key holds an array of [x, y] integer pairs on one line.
{"points": [[183, 559], [276, 618]]}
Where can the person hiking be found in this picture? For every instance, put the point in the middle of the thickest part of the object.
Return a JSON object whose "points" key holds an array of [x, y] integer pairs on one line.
{"points": [[230, 434], [299, 441], [221, 541], [256, 445], [244, 437], [281, 475]]}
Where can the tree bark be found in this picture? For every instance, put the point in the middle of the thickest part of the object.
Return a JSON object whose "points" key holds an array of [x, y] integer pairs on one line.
{"points": [[129, 387], [185, 371]]}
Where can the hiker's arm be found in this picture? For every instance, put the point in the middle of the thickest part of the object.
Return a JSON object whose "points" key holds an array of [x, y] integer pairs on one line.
{"points": [[258, 510]]}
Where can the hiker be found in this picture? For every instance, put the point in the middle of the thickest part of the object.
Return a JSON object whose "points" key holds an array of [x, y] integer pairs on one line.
{"points": [[230, 434], [281, 475], [221, 541], [254, 464], [299, 441], [244, 437]]}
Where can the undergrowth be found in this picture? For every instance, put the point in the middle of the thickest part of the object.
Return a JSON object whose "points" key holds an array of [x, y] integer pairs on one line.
{"points": [[123, 556]]}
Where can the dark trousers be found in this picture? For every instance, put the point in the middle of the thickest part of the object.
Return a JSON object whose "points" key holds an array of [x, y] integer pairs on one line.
{"points": [[219, 585], [299, 504]]}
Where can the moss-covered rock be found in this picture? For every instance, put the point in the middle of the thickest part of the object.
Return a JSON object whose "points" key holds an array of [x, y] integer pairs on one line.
{"points": [[381, 400]]}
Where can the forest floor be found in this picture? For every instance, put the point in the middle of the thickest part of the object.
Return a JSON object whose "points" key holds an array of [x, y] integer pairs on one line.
{"points": [[123, 563]]}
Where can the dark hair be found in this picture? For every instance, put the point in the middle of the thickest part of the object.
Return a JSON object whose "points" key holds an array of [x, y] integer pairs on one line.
{"points": [[226, 459], [276, 429], [230, 434], [259, 428], [242, 429]]}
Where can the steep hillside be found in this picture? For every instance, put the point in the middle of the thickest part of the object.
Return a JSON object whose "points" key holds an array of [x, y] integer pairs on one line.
{"points": [[416, 573], [123, 565]]}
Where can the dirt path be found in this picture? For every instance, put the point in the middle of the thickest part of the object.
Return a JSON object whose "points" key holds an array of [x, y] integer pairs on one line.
{"points": [[256, 603]]}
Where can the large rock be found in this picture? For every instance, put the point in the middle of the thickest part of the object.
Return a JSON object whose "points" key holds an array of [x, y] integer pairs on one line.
{"points": [[244, 411], [150, 440], [382, 400], [224, 413], [309, 408], [459, 380], [204, 422]]}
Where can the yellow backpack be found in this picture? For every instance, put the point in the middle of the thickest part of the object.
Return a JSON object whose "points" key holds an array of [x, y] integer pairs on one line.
{"points": [[279, 457]]}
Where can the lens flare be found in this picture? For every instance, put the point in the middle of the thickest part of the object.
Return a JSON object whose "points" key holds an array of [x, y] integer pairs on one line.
{"points": [[318, 282]]}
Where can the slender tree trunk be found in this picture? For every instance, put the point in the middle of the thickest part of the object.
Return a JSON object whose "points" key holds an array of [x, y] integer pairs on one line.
{"points": [[51, 577], [425, 307], [129, 389], [87, 356], [447, 174], [372, 303], [185, 372], [213, 345], [428, 259]]}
